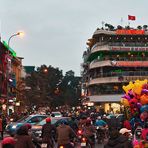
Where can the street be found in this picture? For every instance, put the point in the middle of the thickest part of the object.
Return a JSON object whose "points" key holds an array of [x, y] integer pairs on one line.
{"points": [[96, 145]]}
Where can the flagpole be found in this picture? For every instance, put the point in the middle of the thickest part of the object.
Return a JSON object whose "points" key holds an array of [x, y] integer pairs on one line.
{"points": [[128, 23], [121, 21]]}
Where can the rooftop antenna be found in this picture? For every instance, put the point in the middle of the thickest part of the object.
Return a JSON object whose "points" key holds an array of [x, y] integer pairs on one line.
{"points": [[102, 23]]}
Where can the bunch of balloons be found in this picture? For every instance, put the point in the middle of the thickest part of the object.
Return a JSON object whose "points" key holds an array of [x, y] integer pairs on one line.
{"points": [[135, 100]]}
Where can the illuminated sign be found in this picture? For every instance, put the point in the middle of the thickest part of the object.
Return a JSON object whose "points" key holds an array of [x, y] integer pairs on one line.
{"points": [[129, 48], [132, 63], [130, 32]]}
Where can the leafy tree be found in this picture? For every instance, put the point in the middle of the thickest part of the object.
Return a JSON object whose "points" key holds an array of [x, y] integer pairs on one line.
{"points": [[50, 88], [145, 27], [139, 27]]}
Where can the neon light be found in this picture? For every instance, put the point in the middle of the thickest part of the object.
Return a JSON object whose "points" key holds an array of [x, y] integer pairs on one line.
{"points": [[130, 32], [13, 53]]}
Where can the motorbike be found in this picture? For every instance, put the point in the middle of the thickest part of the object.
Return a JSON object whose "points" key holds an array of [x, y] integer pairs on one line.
{"points": [[100, 134], [84, 141], [70, 145]]}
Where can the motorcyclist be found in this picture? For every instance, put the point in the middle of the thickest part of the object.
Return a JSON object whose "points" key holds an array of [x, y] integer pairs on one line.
{"points": [[100, 122], [89, 131], [82, 122], [73, 123], [102, 129], [117, 140], [48, 130], [64, 133]]}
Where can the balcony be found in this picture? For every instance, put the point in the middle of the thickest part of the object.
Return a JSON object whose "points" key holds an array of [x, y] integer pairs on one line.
{"points": [[116, 79], [119, 46], [122, 63]]}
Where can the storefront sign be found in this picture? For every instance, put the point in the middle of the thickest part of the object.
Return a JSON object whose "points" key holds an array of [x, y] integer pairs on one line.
{"points": [[130, 32], [129, 48], [132, 63]]}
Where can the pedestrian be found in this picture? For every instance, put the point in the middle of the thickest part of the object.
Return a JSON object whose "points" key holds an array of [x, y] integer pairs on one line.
{"points": [[23, 139], [8, 142], [48, 132]]}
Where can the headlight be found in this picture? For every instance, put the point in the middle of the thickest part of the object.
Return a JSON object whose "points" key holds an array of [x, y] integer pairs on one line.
{"points": [[14, 126]]}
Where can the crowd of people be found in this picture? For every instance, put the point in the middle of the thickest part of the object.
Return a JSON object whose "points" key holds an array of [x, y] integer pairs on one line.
{"points": [[96, 127]]}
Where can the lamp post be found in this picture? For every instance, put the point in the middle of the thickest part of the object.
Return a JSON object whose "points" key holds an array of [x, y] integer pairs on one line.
{"points": [[8, 71], [16, 34]]}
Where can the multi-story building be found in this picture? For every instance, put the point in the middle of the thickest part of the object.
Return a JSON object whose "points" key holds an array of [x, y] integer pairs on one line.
{"points": [[113, 58], [11, 68]]}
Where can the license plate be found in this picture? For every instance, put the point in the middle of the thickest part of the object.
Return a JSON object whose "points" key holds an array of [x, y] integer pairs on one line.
{"points": [[44, 145], [83, 144]]}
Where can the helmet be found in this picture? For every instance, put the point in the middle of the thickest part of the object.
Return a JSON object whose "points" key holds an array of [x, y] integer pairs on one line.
{"points": [[28, 125], [63, 121], [8, 140], [48, 120], [88, 121], [99, 117]]}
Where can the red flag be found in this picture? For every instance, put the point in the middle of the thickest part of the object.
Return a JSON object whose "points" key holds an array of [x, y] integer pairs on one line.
{"points": [[130, 17]]}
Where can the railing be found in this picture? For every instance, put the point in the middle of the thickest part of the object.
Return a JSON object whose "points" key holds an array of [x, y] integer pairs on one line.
{"points": [[143, 62], [106, 45], [104, 92], [117, 74]]}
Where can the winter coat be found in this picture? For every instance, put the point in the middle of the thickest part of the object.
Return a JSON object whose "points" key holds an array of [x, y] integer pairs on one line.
{"points": [[23, 141], [63, 133], [48, 131], [119, 142]]}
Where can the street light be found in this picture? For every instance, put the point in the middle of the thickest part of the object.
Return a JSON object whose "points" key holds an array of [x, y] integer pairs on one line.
{"points": [[16, 34], [9, 65]]}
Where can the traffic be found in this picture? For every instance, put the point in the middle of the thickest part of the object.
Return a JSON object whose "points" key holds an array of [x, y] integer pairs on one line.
{"points": [[75, 129]]}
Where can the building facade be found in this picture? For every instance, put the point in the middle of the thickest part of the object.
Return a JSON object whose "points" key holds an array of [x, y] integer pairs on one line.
{"points": [[113, 58], [10, 69]]}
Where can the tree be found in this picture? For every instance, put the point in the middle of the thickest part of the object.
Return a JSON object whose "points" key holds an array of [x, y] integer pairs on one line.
{"points": [[139, 27], [119, 27], [43, 83], [50, 88], [145, 27]]}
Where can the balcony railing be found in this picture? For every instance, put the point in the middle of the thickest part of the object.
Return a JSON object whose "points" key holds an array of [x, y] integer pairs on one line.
{"points": [[107, 45], [104, 92], [117, 74]]}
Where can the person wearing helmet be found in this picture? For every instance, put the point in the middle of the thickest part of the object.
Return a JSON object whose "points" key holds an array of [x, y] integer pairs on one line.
{"points": [[64, 133], [73, 123], [48, 132], [8, 142], [23, 139], [89, 131], [82, 121]]}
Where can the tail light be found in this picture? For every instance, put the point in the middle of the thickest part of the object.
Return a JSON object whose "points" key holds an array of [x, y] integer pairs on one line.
{"points": [[61, 146], [83, 139], [79, 132]]}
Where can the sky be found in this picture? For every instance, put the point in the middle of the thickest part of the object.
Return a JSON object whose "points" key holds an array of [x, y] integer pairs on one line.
{"points": [[56, 31]]}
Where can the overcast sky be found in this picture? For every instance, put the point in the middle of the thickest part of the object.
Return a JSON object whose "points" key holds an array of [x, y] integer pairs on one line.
{"points": [[56, 31]]}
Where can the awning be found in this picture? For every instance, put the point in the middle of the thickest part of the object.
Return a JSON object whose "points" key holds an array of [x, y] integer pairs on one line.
{"points": [[105, 98]]}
